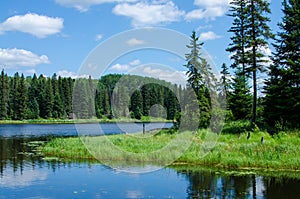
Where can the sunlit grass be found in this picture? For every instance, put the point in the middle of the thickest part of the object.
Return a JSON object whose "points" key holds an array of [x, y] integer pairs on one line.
{"points": [[279, 152]]}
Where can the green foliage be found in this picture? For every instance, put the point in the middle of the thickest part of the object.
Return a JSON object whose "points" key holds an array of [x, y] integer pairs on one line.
{"points": [[200, 79], [4, 95], [239, 99], [282, 107], [251, 32]]}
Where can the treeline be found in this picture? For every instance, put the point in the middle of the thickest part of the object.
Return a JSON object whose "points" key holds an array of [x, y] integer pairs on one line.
{"points": [[35, 97], [60, 97]]}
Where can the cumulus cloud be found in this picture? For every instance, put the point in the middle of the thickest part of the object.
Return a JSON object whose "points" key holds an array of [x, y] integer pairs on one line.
{"points": [[125, 67], [135, 42], [209, 36], [120, 67], [149, 14], [159, 72], [65, 73], [208, 9], [11, 58], [38, 25], [84, 5], [135, 62]]}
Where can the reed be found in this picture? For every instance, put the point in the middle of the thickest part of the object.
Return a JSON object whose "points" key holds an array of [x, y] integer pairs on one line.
{"points": [[279, 152]]}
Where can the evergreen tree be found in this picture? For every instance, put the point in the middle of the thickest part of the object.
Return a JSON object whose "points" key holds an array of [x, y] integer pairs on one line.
{"points": [[136, 104], [41, 99], [80, 99], [251, 32], [4, 95], [32, 106], [257, 33], [283, 86], [20, 98], [48, 100], [199, 78], [239, 99], [225, 80], [239, 39]]}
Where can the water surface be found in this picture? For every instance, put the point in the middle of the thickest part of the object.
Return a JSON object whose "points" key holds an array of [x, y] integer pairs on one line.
{"points": [[23, 174]]}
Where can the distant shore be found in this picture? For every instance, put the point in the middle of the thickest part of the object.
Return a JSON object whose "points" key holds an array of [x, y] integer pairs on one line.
{"points": [[79, 121]]}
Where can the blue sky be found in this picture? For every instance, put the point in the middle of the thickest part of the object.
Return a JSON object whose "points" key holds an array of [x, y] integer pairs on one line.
{"points": [[56, 36]]}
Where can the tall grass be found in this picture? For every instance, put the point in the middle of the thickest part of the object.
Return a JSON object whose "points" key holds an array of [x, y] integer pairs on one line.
{"points": [[280, 152]]}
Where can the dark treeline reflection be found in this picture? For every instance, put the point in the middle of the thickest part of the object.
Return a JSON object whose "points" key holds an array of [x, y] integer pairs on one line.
{"points": [[20, 154], [205, 184]]}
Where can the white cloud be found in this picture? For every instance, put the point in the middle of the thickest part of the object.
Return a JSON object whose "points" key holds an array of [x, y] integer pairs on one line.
{"points": [[98, 37], [146, 14], [84, 5], [11, 58], [38, 25], [209, 36], [28, 178], [125, 67], [135, 42], [175, 77], [135, 62], [65, 73], [212, 3], [208, 9], [120, 67]]}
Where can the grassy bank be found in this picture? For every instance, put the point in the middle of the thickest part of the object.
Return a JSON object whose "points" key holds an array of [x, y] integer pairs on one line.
{"points": [[71, 121], [280, 152]]}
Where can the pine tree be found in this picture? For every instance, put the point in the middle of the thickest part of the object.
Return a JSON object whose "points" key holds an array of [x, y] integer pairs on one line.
{"points": [[32, 106], [225, 80], [239, 99], [136, 104], [239, 38], [283, 86], [4, 95], [258, 32], [20, 98], [199, 78], [49, 99]]}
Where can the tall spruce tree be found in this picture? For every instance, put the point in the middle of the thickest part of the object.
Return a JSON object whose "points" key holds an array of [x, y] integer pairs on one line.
{"points": [[251, 32], [32, 106], [258, 33], [20, 98], [283, 86], [136, 104], [239, 99], [239, 38], [4, 95], [199, 78]]}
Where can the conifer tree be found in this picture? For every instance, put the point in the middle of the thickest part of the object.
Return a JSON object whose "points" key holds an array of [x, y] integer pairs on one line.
{"points": [[199, 78], [32, 106], [4, 95], [258, 33], [283, 85], [239, 99]]}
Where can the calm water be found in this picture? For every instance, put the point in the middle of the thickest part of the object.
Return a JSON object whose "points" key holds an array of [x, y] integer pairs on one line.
{"points": [[25, 175]]}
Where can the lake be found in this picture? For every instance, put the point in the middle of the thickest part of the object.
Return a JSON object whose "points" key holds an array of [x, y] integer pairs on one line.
{"points": [[23, 174]]}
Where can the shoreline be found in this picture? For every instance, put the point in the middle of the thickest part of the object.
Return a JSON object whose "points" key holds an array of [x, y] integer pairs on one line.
{"points": [[276, 154], [79, 121]]}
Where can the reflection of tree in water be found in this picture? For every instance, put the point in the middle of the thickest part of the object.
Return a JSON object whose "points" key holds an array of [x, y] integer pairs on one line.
{"points": [[209, 185], [16, 154], [277, 188]]}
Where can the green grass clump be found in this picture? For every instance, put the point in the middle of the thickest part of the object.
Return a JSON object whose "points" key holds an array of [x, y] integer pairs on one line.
{"points": [[280, 152]]}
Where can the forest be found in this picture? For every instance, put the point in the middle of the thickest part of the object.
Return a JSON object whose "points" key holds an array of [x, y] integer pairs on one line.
{"points": [[276, 108]]}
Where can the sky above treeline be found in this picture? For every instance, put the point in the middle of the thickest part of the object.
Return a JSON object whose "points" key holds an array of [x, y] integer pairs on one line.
{"points": [[57, 36]]}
